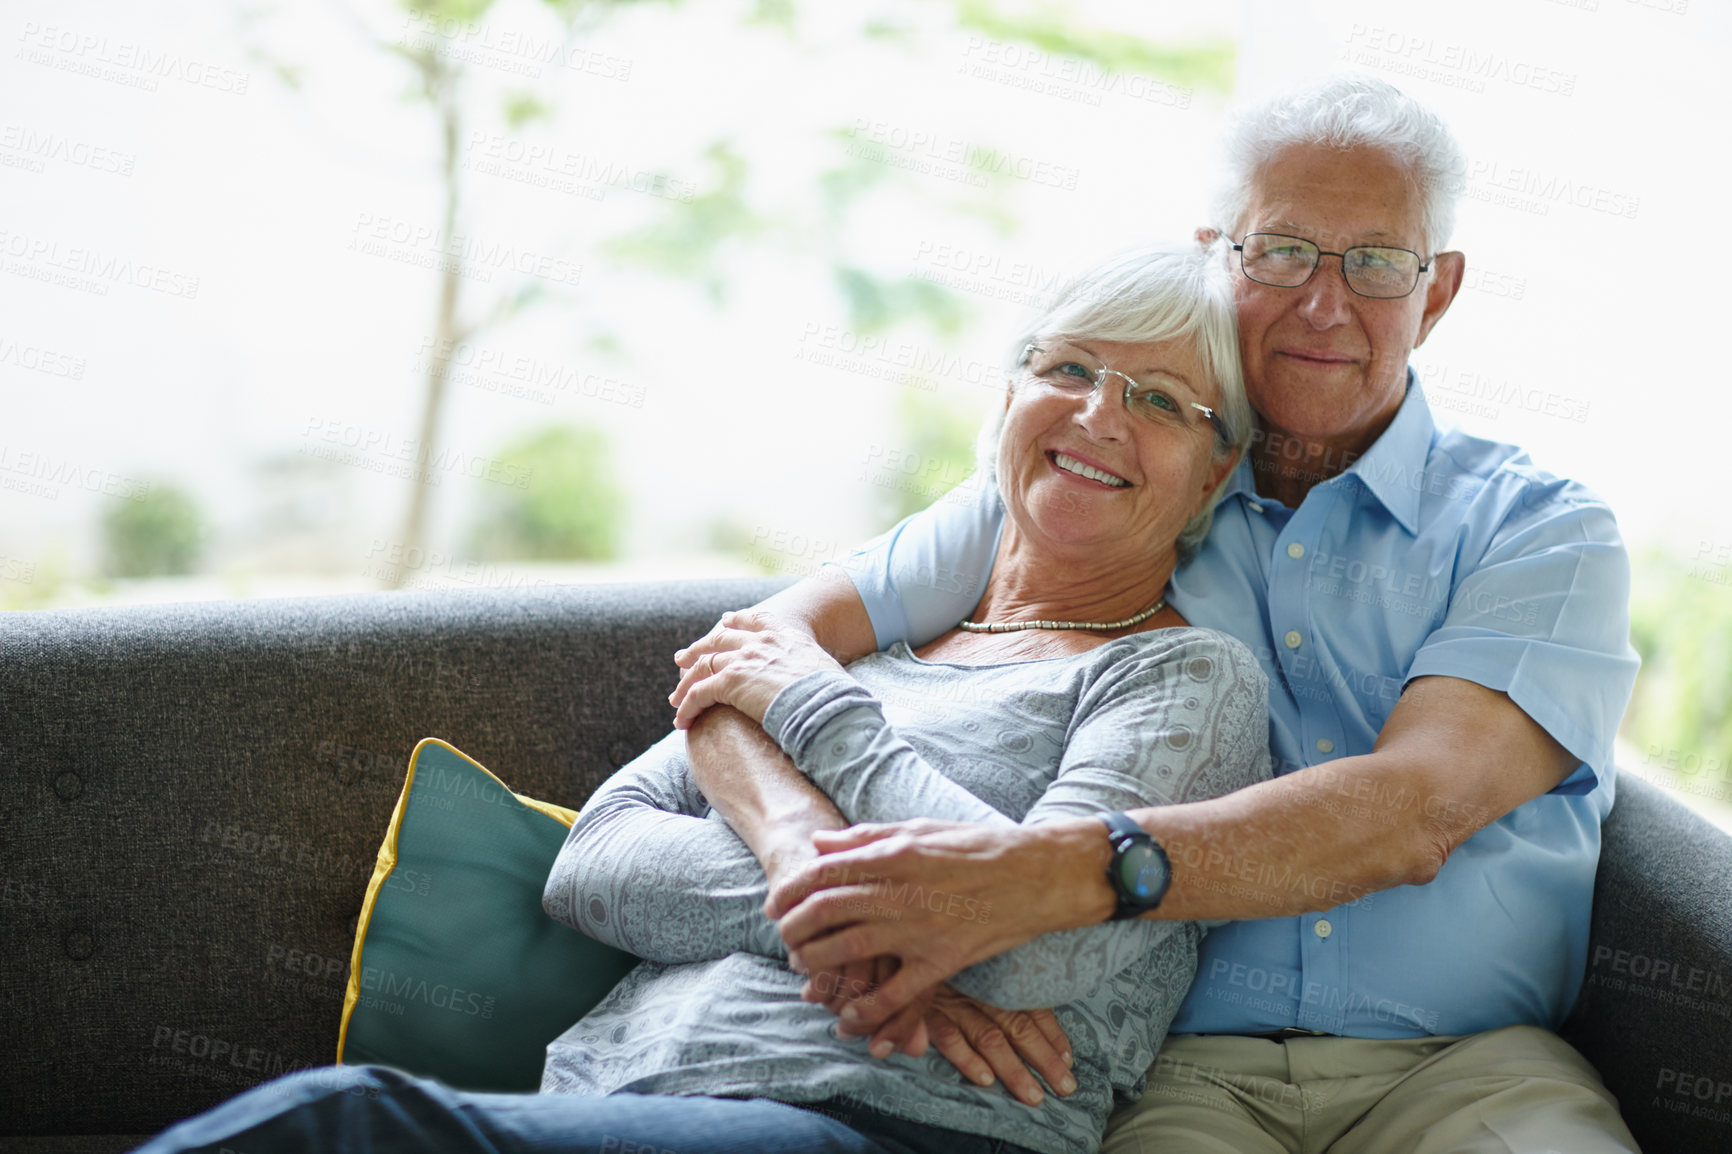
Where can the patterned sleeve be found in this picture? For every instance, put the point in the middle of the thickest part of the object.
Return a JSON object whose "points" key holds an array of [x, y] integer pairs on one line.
{"points": [[645, 871], [1171, 724]]}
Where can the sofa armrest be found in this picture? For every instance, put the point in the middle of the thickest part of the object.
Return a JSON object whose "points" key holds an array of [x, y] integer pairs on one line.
{"points": [[1655, 1013]]}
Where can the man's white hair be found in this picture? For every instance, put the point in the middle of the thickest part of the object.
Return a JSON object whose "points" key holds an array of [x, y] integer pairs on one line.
{"points": [[1350, 112]]}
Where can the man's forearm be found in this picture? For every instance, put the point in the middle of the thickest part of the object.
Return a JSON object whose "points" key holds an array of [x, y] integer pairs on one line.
{"points": [[1290, 846], [1452, 758], [1274, 849], [769, 803]]}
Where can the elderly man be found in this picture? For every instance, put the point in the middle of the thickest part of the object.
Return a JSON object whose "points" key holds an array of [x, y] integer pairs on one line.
{"points": [[1445, 631]]}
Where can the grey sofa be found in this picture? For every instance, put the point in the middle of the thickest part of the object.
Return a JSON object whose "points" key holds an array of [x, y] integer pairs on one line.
{"points": [[193, 796]]}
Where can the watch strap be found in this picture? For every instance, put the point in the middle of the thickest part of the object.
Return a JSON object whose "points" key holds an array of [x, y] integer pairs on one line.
{"points": [[1121, 825]]}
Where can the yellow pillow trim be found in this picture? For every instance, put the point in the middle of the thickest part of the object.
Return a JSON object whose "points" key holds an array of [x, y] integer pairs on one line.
{"points": [[387, 861]]}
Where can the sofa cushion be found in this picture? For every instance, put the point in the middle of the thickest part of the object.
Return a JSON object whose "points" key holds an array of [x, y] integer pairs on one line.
{"points": [[457, 974]]}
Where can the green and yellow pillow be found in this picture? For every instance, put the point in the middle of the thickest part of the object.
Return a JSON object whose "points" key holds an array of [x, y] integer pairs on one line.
{"points": [[457, 973]]}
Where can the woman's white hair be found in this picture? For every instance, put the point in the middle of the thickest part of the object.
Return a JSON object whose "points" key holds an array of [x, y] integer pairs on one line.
{"points": [[1150, 294], [1350, 112]]}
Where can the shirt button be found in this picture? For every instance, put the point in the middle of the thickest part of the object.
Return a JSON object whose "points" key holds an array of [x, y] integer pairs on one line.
{"points": [[1295, 550], [1324, 745], [1323, 929], [1258, 508], [1293, 639]]}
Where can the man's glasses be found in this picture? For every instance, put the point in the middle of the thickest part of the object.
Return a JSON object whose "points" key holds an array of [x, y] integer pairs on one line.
{"points": [[1371, 270], [1068, 369]]}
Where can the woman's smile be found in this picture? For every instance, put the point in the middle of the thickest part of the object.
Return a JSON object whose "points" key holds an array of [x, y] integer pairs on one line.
{"points": [[1081, 469]]}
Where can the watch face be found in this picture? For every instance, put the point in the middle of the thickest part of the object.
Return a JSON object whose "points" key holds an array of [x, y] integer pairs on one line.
{"points": [[1143, 874]]}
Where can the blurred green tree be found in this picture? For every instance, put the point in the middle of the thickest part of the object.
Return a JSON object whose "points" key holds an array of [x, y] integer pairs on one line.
{"points": [[1680, 716], [689, 236], [934, 451], [566, 507], [159, 534]]}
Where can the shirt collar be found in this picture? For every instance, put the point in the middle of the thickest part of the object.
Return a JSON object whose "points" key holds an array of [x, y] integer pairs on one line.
{"points": [[1391, 470]]}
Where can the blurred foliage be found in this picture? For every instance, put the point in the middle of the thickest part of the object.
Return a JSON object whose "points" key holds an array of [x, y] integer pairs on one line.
{"points": [[1681, 624], [159, 534], [525, 108], [876, 304], [781, 14], [687, 240], [934, 451], [1204, 64], [32, 584], [567, 506]]}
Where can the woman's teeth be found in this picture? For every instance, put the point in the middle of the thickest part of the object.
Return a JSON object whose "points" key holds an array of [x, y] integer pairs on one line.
{"points": [[1072, 465]]}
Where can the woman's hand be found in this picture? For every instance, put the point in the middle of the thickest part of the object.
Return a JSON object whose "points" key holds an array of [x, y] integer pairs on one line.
{"points": [[744, 662], [982, 1040]]}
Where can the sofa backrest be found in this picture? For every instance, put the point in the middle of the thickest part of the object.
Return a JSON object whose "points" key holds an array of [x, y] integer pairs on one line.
{"points": [[195, 794]]}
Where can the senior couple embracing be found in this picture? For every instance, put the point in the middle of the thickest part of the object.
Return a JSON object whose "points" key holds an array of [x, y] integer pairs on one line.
{"points": [[1240, 847]]}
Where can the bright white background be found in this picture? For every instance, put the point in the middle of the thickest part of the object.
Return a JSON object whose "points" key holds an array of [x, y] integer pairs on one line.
{"points": [[1591, 331]]}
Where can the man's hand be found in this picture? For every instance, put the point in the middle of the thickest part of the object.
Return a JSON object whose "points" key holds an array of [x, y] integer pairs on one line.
{"points": [[938, 896], [748, 658]]}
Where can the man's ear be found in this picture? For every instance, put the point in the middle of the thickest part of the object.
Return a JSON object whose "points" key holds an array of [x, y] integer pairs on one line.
{"points": [[1447, 269], [1207, 236]]}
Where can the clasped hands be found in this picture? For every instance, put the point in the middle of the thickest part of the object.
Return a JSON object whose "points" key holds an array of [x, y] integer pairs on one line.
{"points": [[832, 906]]}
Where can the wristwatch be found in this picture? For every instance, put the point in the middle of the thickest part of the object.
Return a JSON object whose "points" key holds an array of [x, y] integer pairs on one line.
{"points": [[1139, 872]]}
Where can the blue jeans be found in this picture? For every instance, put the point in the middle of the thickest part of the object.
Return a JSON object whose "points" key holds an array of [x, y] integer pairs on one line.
{"points": [[376, 1110]]}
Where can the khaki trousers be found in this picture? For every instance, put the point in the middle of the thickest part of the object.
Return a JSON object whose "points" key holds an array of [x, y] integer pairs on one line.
{"points": [[1516, 1089]]}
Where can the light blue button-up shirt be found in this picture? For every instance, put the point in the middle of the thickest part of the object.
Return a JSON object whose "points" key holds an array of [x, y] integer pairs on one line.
{"points": [[1434, 553]]}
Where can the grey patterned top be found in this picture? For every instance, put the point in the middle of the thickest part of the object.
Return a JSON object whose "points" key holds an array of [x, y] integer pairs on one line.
{"points": [[1166, 716]]}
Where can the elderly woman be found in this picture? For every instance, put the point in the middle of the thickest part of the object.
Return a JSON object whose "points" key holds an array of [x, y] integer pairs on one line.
{"points": [[1073, 691]]}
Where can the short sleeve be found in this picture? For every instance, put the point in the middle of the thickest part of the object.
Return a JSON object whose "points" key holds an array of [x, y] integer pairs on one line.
{"points": [[1543, 615], [918, 580]]}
